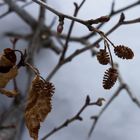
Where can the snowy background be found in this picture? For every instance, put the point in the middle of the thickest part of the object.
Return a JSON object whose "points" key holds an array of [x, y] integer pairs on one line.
{"points": [[83, 76]]}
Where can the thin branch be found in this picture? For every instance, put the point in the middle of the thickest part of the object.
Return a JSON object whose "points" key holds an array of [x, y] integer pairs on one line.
{"points": [[59, 14], [5, 14], [22, 13], [113, 13], [96, 118], [35, 42], [55, 69], [132, 97], [123, 86], [60, 62], [91, 46], [133, 21], [8, 127], [77, 8], [127, 7], [77, 116]]}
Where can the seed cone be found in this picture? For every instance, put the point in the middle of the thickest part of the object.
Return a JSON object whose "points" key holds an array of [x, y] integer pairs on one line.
{"points": [[110, 77], [103, 57], [123, 52]]}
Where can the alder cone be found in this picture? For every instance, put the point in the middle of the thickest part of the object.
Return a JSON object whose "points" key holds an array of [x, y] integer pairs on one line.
{"points": [[110, 77], [103, 57], [38, 105], [123, 52]]}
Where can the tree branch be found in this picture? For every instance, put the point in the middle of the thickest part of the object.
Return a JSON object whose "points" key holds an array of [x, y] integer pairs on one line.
{"points": [[77, 116]]}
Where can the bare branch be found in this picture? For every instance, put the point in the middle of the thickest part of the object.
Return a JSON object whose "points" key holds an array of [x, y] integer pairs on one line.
{"points": [[113, 13], [59, 14], [75, 117], [77, 8], [96, 118], [22, 13]]}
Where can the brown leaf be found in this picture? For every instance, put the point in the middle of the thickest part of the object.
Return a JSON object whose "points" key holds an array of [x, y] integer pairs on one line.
{"points": [[7, 60], [6, 77], [10, 55], [38, 105], [8, 93]]}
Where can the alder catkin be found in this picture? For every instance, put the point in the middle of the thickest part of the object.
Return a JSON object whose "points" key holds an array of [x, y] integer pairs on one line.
{"points": [[123, 52], [110, 77], [38, 105], [103, 57]]}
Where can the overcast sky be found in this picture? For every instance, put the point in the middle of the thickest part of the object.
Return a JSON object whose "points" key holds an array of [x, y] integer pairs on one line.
{"points": [[84, 76]]}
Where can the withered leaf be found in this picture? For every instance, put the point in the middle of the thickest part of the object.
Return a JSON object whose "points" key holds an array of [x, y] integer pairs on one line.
{"points": [[6, 77], [38, 105], [8, 93]]}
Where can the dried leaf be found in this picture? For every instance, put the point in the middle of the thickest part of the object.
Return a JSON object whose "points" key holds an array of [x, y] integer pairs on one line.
{"points": [[8, 93], [10, 55], [6, 77], [38, 105], [7, 60]]}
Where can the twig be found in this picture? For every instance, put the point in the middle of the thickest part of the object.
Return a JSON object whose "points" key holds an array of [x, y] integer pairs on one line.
{"points": [[75, 117], [137, 20], [132, 97], [8, 127], [130, 94], [96, 118], [34, 44], [22, 13], [77, 8], [123, 86], [112, 13], [86, 48], [59, 14], [61, 60], [9, 10]]}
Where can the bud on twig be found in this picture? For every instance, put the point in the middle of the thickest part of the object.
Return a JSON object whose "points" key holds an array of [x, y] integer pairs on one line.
{"points": [[60, 25], [103, 19], [122, 17], [60, 28], [87, 99], [99, 102]]}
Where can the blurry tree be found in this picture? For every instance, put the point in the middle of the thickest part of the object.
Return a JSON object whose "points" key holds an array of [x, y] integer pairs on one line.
{"points": [[42, 35]]}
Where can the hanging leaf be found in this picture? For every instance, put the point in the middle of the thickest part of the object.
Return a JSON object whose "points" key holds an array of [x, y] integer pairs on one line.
{"points": [[38, 105], [7, 60], [6, 77], [8, 93]]}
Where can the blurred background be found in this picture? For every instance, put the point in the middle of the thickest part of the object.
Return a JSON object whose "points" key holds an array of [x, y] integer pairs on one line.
{"points": [[83, 75]]}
